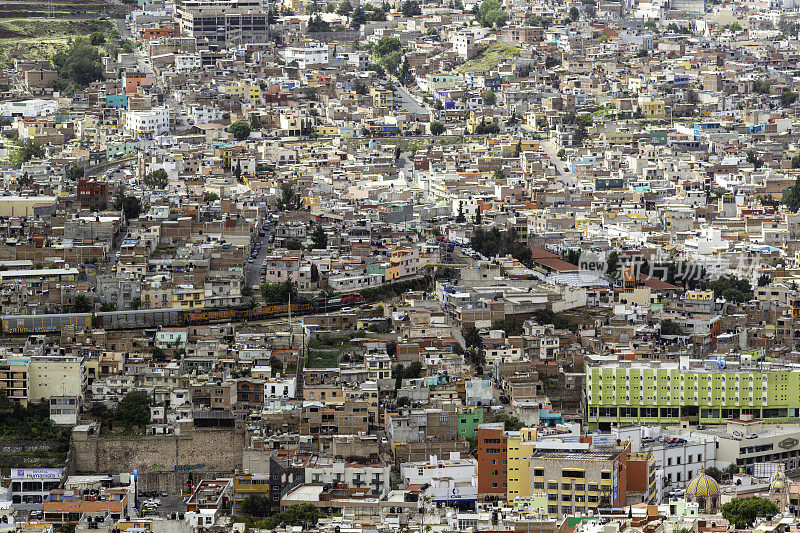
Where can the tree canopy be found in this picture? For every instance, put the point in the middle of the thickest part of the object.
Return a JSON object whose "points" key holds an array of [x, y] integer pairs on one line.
{"points": [[493, 242], [319, 240], [732, 288], [742, 512], [27, 150], [156, 179], [79, 64], [279, 292], [240, 130], [411, 8]]}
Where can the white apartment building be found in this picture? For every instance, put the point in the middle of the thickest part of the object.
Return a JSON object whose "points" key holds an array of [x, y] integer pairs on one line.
{"points": [[456, 468], [307, 56], [280, 388], [147, 124], [205, 115], [187, 62], [374, 475]]}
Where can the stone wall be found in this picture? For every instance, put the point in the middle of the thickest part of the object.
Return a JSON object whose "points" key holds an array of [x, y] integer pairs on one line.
{"points": [[201, 450]]}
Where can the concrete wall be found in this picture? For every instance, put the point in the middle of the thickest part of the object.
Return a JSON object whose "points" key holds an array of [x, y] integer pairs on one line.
{"points": [[217, 450]]}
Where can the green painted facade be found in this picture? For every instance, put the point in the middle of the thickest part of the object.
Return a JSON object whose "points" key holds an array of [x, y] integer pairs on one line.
{"points": [[666, 395], [469, 418]]}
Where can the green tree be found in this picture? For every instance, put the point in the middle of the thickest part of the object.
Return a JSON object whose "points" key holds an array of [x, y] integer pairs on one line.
{"points": [[359, 88], [460, 218], [295, 515], [240, 130], [510, 423], [398, 377], [732, 288], [386, 45], [97, 38], [156, 179], [74, 173], [404, 75], [108, 307], [792, 196], [157, 354], [82, 304], [762, 86], [357, 18], [714, 473], [294, 244], [289, 200], [668, 327], [612, 264], [742, 512], [279, 292], [314, 273], [437, 128], [79, 63], [489, 98], [210, 197], [27, 150], [276, 365], [493, 242], [472, 337], [319, 240], [344, 9], [255, 122], [130, 206], [788, 98], [391, 62], [495, 18], [485, 8], [410, 8], [574, 13], [237, 171], [754, 160], [134, 408], [764, 280]]}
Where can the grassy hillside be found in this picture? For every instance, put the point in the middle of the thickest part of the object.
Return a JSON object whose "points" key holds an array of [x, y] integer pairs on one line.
{"points": [[488, 59], [40, 38]]}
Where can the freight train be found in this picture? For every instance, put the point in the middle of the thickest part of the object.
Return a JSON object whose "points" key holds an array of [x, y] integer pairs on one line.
{"points": [[151, 318]]}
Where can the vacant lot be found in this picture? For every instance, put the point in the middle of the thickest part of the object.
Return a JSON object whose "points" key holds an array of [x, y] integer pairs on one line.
{"points": [[489, 58], [325, 353], [58, 8], [40, 38]]}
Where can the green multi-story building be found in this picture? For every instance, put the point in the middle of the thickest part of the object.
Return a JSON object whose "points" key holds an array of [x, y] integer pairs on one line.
{"points": [[469, 418], [704, 392]]}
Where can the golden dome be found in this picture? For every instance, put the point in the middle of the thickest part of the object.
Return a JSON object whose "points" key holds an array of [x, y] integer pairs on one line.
{"points": [[778, 482], [778, 476], [702, 485]]}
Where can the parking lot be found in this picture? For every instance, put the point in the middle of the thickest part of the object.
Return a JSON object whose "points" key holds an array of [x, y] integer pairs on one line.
{"points": [[163, 506]]}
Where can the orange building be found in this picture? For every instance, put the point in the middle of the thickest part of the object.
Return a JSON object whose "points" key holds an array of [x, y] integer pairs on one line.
{"points": [[145, 34], [492, 461]]}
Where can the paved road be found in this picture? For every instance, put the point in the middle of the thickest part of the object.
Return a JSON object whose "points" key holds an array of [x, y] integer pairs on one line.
{"points": [[253, 270], [567, 178], [122, 28], [408, 103]]}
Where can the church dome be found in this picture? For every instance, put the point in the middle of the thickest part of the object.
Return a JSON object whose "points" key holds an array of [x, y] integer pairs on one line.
{"points": [[702, 485], [778, 482]]}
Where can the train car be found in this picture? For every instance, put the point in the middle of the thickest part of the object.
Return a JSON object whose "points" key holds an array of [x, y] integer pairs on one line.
{"points": [[216, 315], [45, 323], [141, 318]]}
